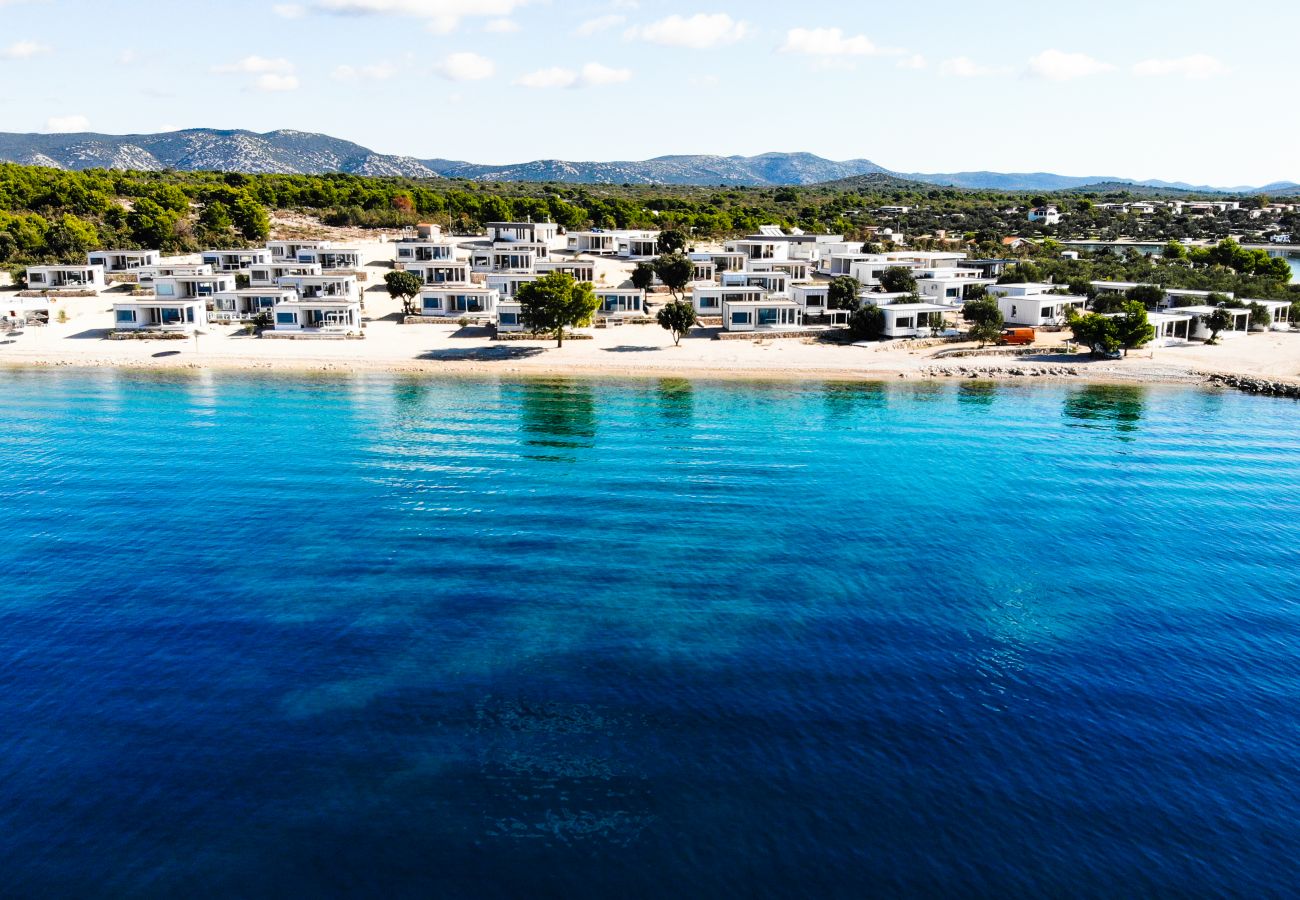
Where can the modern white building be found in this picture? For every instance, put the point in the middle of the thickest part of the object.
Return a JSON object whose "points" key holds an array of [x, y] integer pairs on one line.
{"points": [[775, 283], [799, 270], [708, 299], [440, 272], [324, 286], [545, 233], [906, 320], [1045, 215], [183, 287], [722, 260], [285, 251], [761, 314], [149, 274], [65, 278], [811, 298], [236, 260], [580, 269], [620, 303], [115, 261], [1240, 321], [509, 257], [1034, 304], [1280, 310], [457, 302], [332, 259], [160, 314], [269, 275], [509, 316], [623, 244], [318, 315], [507, 284], [759, 248], [243, 304], [947, 286], [412, 250]]}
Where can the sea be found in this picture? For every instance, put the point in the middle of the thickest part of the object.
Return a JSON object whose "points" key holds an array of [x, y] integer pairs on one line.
{"points": [[388, 636]]}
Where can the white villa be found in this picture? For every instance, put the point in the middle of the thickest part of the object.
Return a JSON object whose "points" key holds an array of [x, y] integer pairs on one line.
{"points": [[811, 298], [182, 287], [946, 285], [705, 269], [1240, 321], [768, 313], [1046, 215], [616, 303], [415, 250], [123, 260], [269, 275], [775, 283], [544, 233], [1033, 304], [159, 314], [708, 299], [759, 247], [509, 316], [623, 244], [332, 259], [248, 303], [65, 278], [319, 315], [458, 301], [905, 320], [324, 286], [236, 260], [580, 269], [723, 261], [284, 251], [149, 274], [509, 257], [1280, 310], [798, 270], [441, 272]]}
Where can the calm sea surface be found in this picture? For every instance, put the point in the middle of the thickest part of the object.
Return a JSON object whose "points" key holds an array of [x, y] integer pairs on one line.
{"points": [[404, 638]]}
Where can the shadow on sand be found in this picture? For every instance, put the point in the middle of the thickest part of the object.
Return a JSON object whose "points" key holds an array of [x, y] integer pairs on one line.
{"points": [[482, 354], [629, 348], [90, 334]]}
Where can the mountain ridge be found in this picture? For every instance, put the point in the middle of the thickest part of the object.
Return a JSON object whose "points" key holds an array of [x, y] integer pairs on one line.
{"points": [[308, 153]]}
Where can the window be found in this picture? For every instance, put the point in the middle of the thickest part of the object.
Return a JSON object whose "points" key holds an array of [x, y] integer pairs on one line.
{"points": [[170, 315], [509, 318], [126, 315], [708, 303], [165, 290], [285, 318], [741, 318], [433, 303]]}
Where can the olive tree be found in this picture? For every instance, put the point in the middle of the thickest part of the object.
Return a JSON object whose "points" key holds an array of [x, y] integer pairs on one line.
{"points": [[404, 286], [554, 302], [677, 317]]}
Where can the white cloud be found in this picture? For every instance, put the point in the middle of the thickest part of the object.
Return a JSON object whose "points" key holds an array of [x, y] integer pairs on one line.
{"points": [[1197, 66], [914, 61], [255, 65], [24, 50], [965, 67], [1057, 65], [289, 10], [466, 67], [698, 32], [376, 72], [127, 57], [273, 83], [592, 75], [827, 42], [444, 15], [599, 24], [67, 123], [501, 26]]}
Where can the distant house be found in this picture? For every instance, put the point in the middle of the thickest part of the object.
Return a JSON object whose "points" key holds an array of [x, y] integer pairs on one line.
{"points": [[798, 270], [269, 274], [760, 248], [235, 260], [284, 251], [412, 250], [187, 314], [775, 283], [708, 299], [509, 316], [580, 269], [1279, 310], [1033, 304], [324, 286], [722, 261], [149, 274], [331, 259], [507, 283], [1017, 243], [440, 272], [1045, 215], [766, 313], [523, 232], [65, 278], [620, 303], [115, 261], [1240, 321], [813, 299], [624, 244]]}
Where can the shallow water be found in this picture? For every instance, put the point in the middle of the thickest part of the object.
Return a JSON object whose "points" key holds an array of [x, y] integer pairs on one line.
{"points": [[405, 637]]}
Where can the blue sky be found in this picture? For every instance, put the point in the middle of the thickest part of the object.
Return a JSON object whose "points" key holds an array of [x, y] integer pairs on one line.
{"points": [[1185, 90]]}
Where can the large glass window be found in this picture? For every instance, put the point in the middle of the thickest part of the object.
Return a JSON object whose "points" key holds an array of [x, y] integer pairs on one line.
{"points": [[126, 315], [285, 318]]}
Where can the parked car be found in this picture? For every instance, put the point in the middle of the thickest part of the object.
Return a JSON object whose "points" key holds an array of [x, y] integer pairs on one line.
{"points": [[1017, 336]]}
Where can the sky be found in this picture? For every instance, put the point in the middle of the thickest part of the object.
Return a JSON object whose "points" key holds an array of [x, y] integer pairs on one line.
{"points": [[1181, 90]]}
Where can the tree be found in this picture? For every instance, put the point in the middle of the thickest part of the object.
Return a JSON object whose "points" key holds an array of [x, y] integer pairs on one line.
{"points": [[405, 286], [985, 333], [983, 311], [215, 219], [898, 280], [8, 246], [1132, 329], [1260, 317], [675, 270], [250, 219], [867, 323], [1149, 295], [843, 293], [1219, 320], [1108, 302], [150, 224], [643, 275], [671, 241], [554, 302], [1096, 332], [677, 317], [1174, 250]]}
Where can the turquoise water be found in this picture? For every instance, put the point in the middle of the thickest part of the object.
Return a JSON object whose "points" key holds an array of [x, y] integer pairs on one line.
{"points": [[401, 637]]}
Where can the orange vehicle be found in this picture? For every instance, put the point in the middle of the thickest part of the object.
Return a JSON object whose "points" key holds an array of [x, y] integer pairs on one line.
{"points": [[1016, 336]]}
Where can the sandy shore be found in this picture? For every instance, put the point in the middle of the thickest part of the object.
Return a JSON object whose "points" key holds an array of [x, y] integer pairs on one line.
{"points": [[629, 350]]}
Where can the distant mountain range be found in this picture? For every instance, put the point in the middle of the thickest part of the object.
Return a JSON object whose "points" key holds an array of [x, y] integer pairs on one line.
{"points": [[300, 152]]}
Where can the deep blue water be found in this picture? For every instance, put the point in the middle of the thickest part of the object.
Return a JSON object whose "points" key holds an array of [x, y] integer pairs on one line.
{"points": [[393, 637]]}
